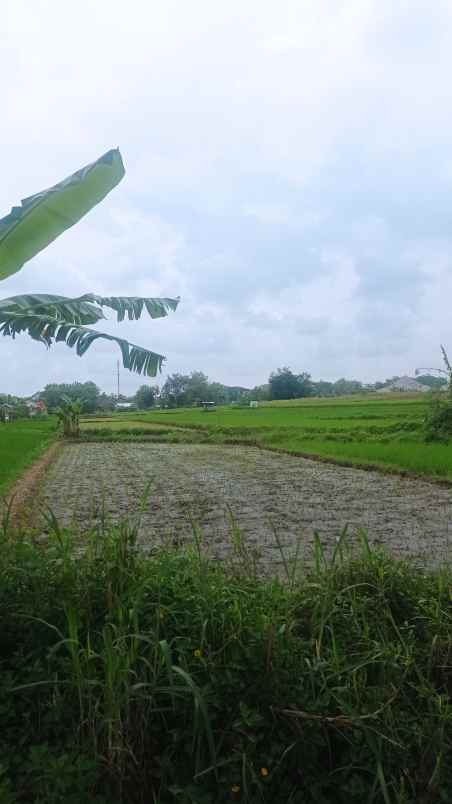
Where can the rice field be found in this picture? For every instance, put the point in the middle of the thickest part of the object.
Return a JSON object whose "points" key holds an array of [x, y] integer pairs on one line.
{"points": [[365, 431], [21, 442]]}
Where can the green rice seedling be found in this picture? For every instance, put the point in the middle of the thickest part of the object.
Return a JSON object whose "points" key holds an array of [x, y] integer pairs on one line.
{"points": [[21, 443]]}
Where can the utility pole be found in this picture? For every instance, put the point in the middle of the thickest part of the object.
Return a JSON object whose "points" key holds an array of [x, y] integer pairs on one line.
{"points": [[117, 367]]}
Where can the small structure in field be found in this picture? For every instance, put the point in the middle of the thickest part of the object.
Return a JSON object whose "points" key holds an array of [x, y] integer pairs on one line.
{"points": [[125, 406], [254, 403], [207, 405]]}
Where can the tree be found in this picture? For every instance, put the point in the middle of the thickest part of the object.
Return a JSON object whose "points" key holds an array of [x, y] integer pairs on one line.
{"points": [[344, 387], [106, 403], [435, 383], [198, 389], [28, 229], [218, 393], [284, 384], [260, 393], [86, 392], [145, 397], [323, 388], [173, 392]]}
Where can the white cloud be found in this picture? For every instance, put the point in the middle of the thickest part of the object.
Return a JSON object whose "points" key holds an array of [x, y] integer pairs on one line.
{"points": [[288, 174]]}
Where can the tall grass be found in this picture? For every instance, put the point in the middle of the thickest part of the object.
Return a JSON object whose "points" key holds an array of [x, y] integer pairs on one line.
{"points": [[168, 678]]}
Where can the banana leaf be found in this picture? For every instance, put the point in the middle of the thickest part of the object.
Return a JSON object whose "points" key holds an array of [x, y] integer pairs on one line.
{"points": [[42, 217]]}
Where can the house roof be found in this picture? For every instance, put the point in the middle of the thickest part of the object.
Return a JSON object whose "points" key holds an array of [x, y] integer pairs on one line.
{"points": [[405, 384]]}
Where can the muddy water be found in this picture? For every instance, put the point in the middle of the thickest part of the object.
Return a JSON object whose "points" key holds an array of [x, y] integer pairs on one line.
{"points": [[262, 492]]}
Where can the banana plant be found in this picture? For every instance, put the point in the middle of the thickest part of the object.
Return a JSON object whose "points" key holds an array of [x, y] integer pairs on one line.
{"points": [[48, 318], [68, 414]]}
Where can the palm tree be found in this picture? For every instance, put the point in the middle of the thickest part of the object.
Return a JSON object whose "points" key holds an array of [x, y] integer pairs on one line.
{"points": [[34, 224]]}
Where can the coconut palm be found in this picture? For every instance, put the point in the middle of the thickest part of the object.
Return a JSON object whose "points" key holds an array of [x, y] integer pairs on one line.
{"points": [[34, 224]]}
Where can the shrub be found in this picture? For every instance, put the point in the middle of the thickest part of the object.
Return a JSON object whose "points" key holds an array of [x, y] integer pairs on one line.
{"points": [[438, 420], [166, 678]]}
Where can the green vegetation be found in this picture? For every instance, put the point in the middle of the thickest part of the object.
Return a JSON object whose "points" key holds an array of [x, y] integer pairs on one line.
{"points": [[68, 414], [284, 384], [54, 393], [168, 679], [21, 442], [49, 318], [387, 433], [438, 421], [181, 390]]}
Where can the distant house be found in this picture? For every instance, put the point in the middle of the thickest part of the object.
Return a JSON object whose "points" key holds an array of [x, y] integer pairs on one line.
{"points": [[126, 406], [36, 407], [407, 384]]}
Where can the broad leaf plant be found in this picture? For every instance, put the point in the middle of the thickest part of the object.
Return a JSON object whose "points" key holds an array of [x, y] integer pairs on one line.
{"points": [[48, 318]]}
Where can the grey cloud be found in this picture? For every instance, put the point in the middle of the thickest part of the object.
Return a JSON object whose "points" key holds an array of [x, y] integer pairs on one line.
{"points": [[288, 174]]}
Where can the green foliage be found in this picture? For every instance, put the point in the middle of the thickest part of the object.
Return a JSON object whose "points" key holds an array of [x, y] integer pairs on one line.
{"points": [[438, 420], [345, 387], [181, 390], [380, 432], [341, 387], [260, 393], [323, 388], [12, 407], [145, 397], [21, 442], [162, 678], [286, 385], [42, 217], [435, 383], [106, 402], [54, 393], [174, 389], [68, 414], [57, 324], [49, 318], [309, 415]]}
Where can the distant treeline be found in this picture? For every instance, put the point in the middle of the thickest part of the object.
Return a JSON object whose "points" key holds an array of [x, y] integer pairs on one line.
{"points": [[184, 390]]}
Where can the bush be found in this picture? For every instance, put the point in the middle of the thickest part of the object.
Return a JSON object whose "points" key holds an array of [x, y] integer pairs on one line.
{"points": [[438, 420], [166, 678]]}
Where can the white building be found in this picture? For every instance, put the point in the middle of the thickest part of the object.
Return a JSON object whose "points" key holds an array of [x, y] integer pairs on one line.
{"points": [[404, 384]]}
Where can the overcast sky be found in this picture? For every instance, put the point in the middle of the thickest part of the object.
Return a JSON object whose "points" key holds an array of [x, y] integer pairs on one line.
{"points": [[288, 174]]}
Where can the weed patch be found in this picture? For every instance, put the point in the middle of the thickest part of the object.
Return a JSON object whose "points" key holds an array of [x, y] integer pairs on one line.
{"points": [[165, 678]]}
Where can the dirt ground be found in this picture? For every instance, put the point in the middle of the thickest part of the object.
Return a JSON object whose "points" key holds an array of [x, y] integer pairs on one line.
{"points": [[262, 491]]}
